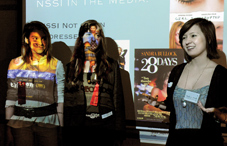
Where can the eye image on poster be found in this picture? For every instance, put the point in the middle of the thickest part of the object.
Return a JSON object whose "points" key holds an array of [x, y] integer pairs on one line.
{"points": [[152, 70], [182, 11]]}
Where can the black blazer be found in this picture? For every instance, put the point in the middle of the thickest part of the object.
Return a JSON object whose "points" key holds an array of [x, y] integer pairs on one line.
{"points": [[110, 99]]}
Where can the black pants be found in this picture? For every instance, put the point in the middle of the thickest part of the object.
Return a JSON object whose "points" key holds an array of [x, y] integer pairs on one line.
{"points": [[93, 132], [87, 136], [35, 136]]}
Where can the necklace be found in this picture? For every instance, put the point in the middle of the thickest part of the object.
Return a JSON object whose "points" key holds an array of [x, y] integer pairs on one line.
{"points": [[197, 78], [184, 104]]}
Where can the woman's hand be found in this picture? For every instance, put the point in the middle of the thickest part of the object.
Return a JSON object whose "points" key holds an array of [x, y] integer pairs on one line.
{"points": [[218, 112], [207, 110]]}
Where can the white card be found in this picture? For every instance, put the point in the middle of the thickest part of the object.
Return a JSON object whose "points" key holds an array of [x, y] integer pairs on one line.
{"points": [[191, 97]]}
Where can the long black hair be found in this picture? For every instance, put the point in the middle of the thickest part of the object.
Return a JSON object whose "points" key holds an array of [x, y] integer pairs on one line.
{"points": [[78, 58]]}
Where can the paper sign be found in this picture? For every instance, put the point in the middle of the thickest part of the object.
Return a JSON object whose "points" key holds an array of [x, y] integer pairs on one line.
{"points": [[192, 97]]}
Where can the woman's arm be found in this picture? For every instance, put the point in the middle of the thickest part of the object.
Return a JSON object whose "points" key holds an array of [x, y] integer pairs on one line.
{"points": [[60, 74], [60, 113], [12, 92], [217, 112]]}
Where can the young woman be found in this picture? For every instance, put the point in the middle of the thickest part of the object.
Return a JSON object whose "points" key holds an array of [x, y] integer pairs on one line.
{"points": [[196, 89], [94, 102], [34, 105]]}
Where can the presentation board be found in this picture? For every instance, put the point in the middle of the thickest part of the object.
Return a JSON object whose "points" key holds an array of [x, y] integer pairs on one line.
{"points": [[136, 26]]}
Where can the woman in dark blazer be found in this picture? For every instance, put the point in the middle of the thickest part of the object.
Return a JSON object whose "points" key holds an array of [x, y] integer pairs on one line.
{"points": [[94, 102], [197, 89]]}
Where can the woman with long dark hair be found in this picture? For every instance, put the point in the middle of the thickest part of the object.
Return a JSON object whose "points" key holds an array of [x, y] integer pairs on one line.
{"points": [[94, 102]]}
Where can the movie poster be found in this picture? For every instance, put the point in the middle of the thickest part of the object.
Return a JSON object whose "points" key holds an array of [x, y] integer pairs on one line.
{"points": [[152, 70], [181, 11]]}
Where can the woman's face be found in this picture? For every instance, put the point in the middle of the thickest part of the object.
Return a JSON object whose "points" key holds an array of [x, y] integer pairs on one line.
{"points": [[37, 42], [194, 42], [91, 38]]}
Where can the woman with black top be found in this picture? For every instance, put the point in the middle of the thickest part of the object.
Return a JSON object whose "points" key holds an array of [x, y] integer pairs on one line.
{"points": [[94, 102], [197, 89]]}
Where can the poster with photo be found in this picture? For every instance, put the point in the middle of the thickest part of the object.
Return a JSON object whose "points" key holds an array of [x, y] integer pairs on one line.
{"points": [[155, 24], [152, 69], [123, 50], [181, 11]]}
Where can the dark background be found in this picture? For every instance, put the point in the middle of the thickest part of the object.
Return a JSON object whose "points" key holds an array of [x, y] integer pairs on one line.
{"points": [[10, 38], [11, 17], [11, 26]]}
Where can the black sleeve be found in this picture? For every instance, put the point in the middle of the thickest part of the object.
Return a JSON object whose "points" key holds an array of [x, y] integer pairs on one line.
{"points": [[118, 98], [222, 98]]}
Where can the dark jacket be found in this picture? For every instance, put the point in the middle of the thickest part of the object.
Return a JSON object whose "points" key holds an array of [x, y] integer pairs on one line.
{"points": [[216, 98], [110, 99]]}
